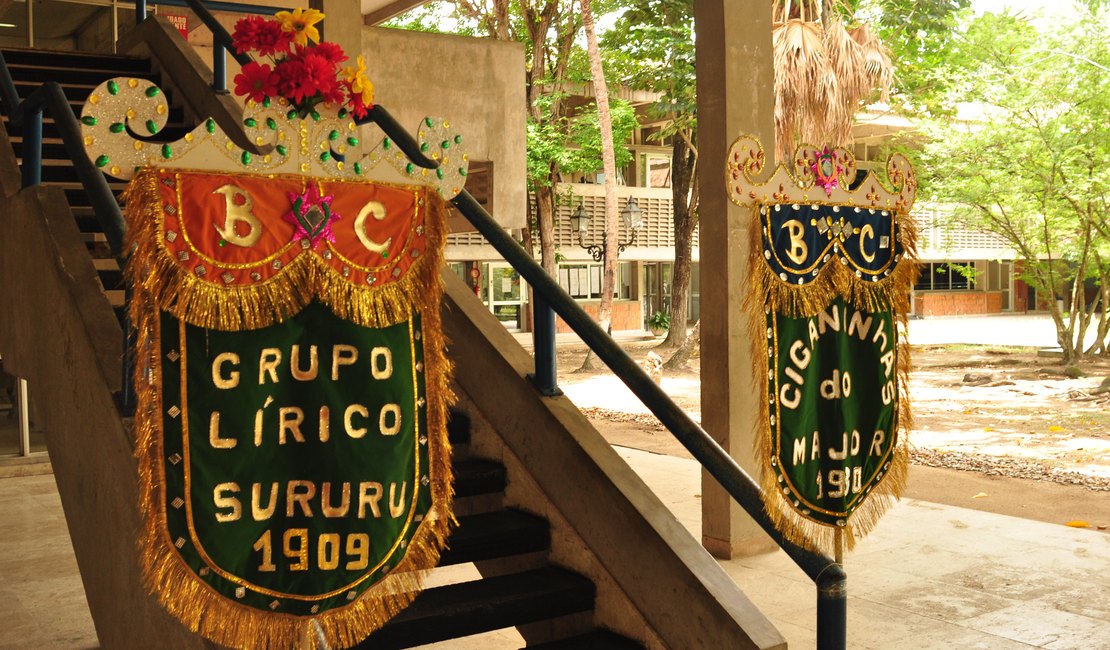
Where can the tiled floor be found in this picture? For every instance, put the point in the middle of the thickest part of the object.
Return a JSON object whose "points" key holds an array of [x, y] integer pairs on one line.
{"points": [[930, 576]]}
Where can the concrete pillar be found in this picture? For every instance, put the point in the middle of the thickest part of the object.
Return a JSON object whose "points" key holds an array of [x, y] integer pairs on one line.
{"points": [[735, 95], [342, 24]]}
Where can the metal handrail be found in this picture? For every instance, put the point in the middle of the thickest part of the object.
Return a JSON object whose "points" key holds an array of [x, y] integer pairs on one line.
{"points": [[826, 573], [27, 114]]}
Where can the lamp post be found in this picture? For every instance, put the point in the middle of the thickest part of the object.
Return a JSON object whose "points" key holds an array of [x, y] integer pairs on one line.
{"points": [[631, 215]]}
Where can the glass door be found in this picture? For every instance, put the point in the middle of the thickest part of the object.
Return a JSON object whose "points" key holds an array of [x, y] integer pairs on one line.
{"points": [[505, 296]]}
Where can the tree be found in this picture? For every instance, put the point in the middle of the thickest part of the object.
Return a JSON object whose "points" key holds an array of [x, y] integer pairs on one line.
{"points": [[653, 48], [1035, 168]]}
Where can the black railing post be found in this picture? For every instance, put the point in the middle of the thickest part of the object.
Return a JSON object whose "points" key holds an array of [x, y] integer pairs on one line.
{"points": [[543, 347], [832, 609], [31, 167], [140, 11], [219, 68]]}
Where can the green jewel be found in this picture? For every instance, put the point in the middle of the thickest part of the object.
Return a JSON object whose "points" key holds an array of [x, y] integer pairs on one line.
{"points": [[116, 127], [210, 125], [386, 143], [153, 91], [167, 151], [462, 171], [342, 112], [223, 242], [324, 157], [246, 157], [292, 114], [315, 116], [439, 172], [334, 135], [358, 169], [423, 146], [101, 160], [458, 139], [271, 124], [88, 120], [428, 121], [266, 102], [446, 144], [113, 88], [250, 121], [409, 168], [282, 150], [152, 126], [352, 141]]}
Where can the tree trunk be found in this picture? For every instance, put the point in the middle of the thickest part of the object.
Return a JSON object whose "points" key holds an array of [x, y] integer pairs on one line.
{"points": [[686, 350], [545, 218], [683, 159], [609, 166]]}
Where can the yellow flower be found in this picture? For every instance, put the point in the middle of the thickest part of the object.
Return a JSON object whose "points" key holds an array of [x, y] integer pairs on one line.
{"points": [[360, 83], [302, 22]]}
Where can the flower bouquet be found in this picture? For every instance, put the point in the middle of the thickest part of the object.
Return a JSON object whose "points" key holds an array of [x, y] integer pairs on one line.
{"points": [[304, 70]]}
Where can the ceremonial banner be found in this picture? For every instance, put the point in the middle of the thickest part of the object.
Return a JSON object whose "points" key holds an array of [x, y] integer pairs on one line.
{"points": [[831, 272], [294, 466]]}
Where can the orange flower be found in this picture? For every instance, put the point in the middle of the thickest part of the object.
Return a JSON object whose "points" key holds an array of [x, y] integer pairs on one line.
{"points": [[302, 24], [360, 84]]}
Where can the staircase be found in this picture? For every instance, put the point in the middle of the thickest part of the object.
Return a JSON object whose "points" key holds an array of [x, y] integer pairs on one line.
{"points": [[521, 585]]}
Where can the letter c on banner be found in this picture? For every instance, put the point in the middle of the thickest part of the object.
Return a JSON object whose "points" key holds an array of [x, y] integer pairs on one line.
{"points": [[376, 209]]}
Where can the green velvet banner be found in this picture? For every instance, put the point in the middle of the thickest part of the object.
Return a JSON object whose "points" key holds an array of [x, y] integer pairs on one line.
{"points": [[295, 456], [834, 415]]}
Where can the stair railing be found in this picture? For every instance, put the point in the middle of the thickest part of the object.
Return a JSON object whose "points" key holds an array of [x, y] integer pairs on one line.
{"points": [[827, 574], [27, 115]]}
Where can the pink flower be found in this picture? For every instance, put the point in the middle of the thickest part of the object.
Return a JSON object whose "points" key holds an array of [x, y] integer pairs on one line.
{"points": [[256, 81]]}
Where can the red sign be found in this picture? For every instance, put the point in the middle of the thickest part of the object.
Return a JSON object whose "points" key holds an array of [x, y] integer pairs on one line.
{"points": [[181, 22]]}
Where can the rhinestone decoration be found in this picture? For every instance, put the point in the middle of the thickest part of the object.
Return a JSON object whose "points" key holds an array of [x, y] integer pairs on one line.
{"points": [[179, 542], [174, 411], [183, 255], [171, 236], [276, 264], [175, 459], [314, 609], [227, 277], [177, 502], [240, 592], [274, 604], [351, 594], [256, 276], [173, 356], [419, 366], [171, 209], [201, 271]]}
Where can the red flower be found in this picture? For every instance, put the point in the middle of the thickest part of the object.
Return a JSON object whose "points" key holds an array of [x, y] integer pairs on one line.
{"points": [[272, 39], [246, 33], [304, 74], [262, 35], [355, 99], [256, 81], [331, 52]]}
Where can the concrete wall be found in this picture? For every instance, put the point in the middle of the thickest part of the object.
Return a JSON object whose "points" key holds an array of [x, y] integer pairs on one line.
{"points": [[476, 84]]}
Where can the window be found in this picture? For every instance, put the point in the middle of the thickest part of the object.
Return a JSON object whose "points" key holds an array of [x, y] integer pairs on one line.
{"points": [[655, 170], [946, 276], [583, 281]]}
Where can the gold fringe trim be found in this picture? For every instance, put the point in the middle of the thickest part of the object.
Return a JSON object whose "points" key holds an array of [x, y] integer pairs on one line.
{"points": [[800, 301], [157, 286]]}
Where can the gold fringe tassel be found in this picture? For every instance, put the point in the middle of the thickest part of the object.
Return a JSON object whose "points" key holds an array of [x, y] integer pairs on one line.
{"points": [[802, 301], [159, 285]]}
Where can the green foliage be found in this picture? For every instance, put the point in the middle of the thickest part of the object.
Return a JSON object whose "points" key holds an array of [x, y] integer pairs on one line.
{"points": [[574, 144], [1034, 166], [659, 320]]}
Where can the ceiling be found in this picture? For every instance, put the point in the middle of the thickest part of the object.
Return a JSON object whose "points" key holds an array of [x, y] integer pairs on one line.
{"points": [[379, 11]]}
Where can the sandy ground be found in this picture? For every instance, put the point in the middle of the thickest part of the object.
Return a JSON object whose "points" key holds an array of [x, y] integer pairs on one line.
{"points": [[999, 429]]}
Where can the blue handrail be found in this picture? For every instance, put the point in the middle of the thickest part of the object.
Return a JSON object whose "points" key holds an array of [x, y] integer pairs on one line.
{"points": [[827, 574]]}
